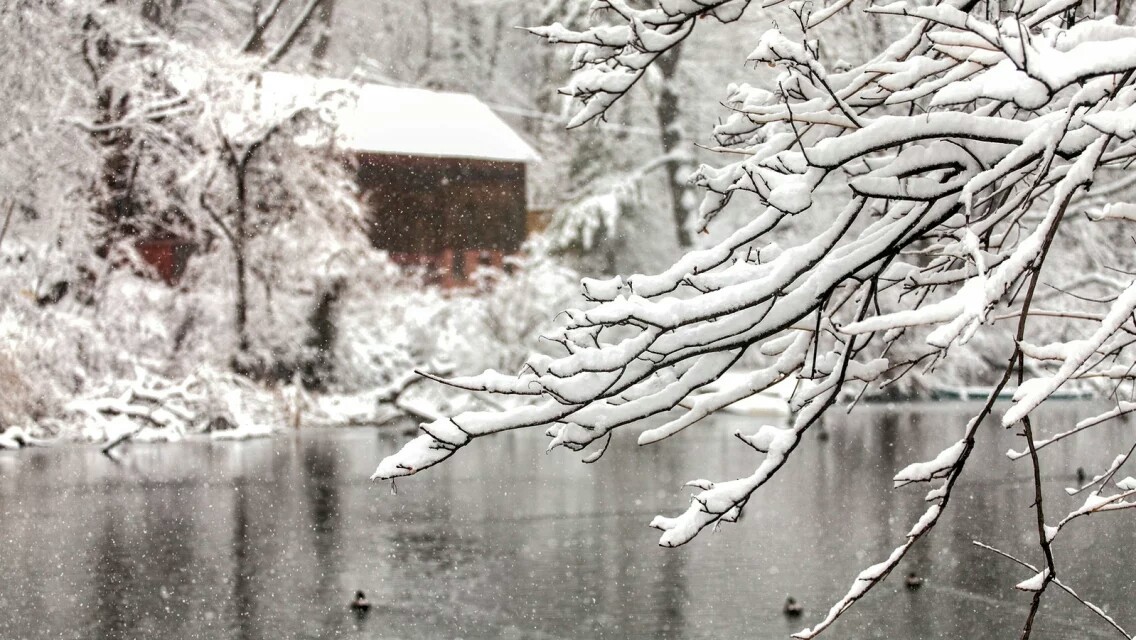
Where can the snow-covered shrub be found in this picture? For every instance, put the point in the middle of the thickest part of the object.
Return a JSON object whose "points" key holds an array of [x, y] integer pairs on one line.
{"points": [[503, 317], [22, 401], [149, 408], [964, 156], [390, 321], [53, 348]]}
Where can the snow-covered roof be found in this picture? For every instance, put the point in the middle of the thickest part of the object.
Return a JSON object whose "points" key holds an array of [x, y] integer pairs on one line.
{"points": [[392, 120]]}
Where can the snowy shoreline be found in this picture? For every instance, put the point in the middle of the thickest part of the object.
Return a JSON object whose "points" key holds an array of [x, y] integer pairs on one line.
{"points": [[215, 406]]}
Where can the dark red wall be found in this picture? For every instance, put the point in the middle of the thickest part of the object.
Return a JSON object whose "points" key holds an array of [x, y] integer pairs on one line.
{"points": [[425, 206], [168, 256]]}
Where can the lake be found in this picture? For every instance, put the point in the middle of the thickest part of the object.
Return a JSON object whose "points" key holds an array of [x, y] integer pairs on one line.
{"points": [[271, 538]]}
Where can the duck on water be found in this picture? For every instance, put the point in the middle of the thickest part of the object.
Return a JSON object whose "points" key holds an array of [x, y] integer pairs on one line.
{"points": [[360, 604]]}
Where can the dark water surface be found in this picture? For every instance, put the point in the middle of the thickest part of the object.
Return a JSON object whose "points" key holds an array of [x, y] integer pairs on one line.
{"points": [[270, 538]]}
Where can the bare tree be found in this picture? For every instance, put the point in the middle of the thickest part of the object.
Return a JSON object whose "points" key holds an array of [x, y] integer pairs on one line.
{"points": [[945, 174], [259, 177], [233, 222], [675, 146]]}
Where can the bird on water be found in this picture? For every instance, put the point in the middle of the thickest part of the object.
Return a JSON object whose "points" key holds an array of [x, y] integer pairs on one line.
{"points": [[360, 604]]}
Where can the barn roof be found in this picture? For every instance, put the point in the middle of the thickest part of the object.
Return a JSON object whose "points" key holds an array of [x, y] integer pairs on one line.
{"points": [[392, 120]]}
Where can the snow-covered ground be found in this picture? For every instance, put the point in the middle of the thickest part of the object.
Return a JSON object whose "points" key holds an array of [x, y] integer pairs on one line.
{"points": [[147, 362]]}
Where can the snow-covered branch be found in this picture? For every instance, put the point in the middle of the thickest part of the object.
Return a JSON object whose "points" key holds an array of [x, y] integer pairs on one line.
{"points": [[943, 176]]}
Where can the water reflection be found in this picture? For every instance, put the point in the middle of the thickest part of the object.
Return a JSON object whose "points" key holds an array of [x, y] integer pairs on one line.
{"points": [[320, 480], [112, 584], [272, 538], [244, 570]]}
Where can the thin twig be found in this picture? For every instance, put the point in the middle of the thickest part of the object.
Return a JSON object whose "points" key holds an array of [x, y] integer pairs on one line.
{"points": [[1061, 585], [7, 219]]}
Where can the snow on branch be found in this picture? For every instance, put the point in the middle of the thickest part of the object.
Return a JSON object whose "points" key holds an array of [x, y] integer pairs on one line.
{"points": [[1074, 355], [610, 59], [1101, 613], [943, 175]]}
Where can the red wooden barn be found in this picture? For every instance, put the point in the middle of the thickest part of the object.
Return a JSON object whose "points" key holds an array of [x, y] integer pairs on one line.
{"points": [[441, 176]]}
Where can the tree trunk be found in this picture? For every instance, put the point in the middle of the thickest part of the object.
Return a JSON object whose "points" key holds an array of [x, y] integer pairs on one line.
{"points": [[298, 25], [254, 42], [667, 113], [240, 316], [323, 31], [114, 202]]}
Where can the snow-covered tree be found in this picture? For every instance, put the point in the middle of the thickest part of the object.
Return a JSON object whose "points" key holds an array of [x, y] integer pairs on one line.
{"points": [[257, 178], [949, 176], [120, 129]]}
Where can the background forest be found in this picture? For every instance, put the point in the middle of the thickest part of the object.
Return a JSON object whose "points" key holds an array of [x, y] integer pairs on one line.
{"points": [[123, 120]]}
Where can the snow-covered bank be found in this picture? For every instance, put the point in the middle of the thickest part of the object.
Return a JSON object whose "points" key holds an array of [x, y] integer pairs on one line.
{"points": [[135, 359], [222, 405]]}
